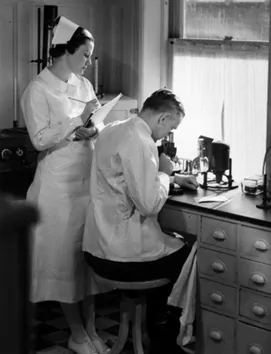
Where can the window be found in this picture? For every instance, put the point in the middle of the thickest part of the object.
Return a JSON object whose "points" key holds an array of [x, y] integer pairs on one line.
{"points": [[223, 84]]}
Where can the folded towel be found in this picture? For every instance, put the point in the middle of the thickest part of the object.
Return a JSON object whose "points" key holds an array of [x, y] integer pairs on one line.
{"points": [[183, 295]]}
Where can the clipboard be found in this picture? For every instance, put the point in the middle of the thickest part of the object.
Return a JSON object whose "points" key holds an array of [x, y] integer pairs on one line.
{"points": [[98, 116], [101, 113]]}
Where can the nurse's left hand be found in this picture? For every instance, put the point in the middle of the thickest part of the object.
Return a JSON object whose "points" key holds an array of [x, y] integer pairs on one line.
{"points": [[189, 182], [83, 133]]}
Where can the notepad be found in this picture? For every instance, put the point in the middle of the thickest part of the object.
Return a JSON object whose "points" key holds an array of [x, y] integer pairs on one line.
{"points": [[213, 198]]}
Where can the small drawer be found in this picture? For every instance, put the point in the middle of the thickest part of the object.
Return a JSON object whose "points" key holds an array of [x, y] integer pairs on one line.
{"points": [[252, 340], [217, 333], [219, 233], [255, 275], [178, 221], [219, 265], [218, 296], [255, 243], [255, 307]]}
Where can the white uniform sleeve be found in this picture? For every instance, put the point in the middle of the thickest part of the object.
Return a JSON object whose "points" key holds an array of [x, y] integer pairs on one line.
{"points": [[36, 111], [147, 187]]}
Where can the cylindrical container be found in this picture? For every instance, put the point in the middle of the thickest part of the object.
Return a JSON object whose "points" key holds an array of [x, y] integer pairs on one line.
{"points": [[220, 159]]}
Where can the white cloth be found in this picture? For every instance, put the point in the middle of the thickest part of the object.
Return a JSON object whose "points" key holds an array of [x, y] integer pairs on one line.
{"points": [[183, 295], [60, 187], [127, 193]]}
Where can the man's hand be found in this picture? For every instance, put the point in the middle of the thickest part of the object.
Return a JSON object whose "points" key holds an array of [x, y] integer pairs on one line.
{"points": [[165, 164], [83, 133], [188, 182]]}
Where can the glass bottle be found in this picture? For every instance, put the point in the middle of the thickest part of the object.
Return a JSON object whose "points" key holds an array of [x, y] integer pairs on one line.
{"points": [[201, 163]]}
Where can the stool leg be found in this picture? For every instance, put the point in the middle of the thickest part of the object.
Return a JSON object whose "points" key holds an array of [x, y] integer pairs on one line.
{"points": [[137, 328], [125, 311], [146, 338]]}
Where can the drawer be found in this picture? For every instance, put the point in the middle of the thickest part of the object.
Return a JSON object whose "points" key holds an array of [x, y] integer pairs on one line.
{"points": [[255, 243], [219, 233], [217, 296], [252, 340], [255, 307], [218, 333], [178, 220], [255, 275], [219, 265]]}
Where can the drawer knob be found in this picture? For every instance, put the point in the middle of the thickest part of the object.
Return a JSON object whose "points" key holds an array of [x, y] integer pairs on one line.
{"points": [[258, 279], [259, 310], [219, 235], [255, 349], [218, 267], [261, 245], [216, 335], [217, 298]]}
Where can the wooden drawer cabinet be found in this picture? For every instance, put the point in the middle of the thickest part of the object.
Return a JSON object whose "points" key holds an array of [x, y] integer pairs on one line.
{"points": [[217, 296], [220, 266], [234, 280], [219, 233], [255, 275], [218, 333], [255, 306], [179, 221], [255, 243], [252, 340]]}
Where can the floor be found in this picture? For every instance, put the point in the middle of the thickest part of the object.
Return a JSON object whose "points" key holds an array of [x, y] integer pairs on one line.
{"points": [[50, 333]]}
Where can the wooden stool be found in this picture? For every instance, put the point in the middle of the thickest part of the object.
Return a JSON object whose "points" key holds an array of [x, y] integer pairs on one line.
{"points": [[131, 308]]}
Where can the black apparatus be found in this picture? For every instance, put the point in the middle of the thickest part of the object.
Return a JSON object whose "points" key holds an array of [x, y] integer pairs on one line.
{"points": [[168, 148], [218, 154], [44, 37]]}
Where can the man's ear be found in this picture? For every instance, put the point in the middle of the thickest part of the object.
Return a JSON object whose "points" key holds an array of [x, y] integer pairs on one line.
{"points": [[164, 116]]}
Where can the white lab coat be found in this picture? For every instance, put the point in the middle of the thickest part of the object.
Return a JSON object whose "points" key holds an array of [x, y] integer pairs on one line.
{"points": [[127, 193], [60, 187]]}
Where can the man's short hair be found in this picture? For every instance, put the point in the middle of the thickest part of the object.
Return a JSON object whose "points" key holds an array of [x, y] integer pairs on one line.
{"points": [[164, 100]]}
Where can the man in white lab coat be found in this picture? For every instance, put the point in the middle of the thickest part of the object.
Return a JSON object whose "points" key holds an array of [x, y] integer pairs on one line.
{"points": [[129, 186]]}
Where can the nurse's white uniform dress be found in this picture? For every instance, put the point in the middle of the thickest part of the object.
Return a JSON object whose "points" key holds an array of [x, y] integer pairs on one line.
{"points": [[60, 187]]}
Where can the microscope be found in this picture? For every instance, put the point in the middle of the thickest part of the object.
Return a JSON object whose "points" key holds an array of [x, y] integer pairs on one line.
{"points": [[168, 148]]}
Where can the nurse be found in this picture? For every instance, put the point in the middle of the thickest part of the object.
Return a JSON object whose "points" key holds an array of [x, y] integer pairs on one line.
{"points": [[61, 184]]}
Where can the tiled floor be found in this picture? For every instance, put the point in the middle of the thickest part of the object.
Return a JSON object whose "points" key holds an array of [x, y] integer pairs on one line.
{"points": [[50, 332]]}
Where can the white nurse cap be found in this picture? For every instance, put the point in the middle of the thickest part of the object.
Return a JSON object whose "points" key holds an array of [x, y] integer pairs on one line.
{"points": [[63, 31]]}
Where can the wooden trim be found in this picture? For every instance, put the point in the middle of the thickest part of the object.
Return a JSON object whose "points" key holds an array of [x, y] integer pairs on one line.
{"points": [[164, 42], [268, 119], [218, 42], [170, 65]]}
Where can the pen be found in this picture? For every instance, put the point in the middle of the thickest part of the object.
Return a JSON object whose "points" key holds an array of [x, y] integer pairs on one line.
{"points": [[75, 99]]}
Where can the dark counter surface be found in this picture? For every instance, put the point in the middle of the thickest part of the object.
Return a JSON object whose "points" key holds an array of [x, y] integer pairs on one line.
{"points": [[238, 207]]}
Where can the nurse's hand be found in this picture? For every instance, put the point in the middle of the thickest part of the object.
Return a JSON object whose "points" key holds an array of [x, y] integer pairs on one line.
{"points": [[189, 182], [83, 133], [90, 107]]}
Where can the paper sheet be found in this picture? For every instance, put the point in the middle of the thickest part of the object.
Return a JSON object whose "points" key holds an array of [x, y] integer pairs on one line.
{"points": [[213, 198]]}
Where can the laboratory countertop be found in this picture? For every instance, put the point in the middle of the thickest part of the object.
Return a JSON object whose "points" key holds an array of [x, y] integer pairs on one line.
{"points": [[239, 206]]}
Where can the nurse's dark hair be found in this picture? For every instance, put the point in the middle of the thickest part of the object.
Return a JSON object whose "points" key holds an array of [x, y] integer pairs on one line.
{"points": [[164, 100], [79, 38]]}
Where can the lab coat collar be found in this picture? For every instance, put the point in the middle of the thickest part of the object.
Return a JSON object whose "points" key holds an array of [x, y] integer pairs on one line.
{"points": [[144, 125], [58, 84]]}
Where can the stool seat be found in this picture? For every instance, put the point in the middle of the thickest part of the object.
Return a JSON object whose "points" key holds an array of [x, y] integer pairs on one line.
{"points": [[131, 309], [134, 285]]}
